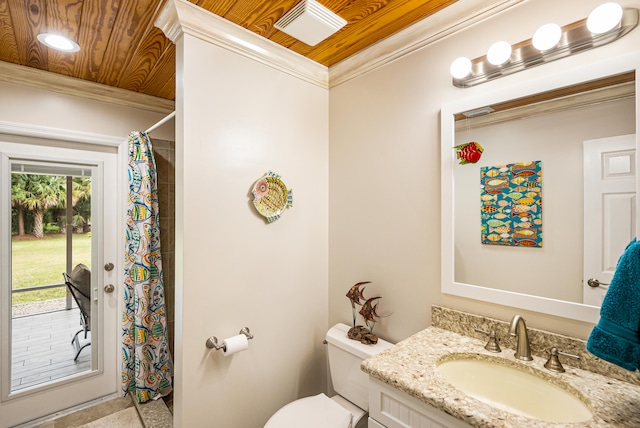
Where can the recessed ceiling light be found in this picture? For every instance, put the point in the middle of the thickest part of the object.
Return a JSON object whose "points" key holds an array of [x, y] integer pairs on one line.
{"points": [[58, 42]]}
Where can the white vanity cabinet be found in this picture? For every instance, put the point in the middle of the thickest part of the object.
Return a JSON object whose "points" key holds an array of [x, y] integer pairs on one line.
{"points": [[391, 408]]}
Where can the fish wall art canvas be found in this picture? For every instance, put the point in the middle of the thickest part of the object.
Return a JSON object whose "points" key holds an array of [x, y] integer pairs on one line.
{"points": [[511, 204]]}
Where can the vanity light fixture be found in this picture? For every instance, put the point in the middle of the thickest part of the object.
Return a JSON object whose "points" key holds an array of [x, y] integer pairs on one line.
{"points": [[461, 68], [499, 53], [58, 42], [547, 37], [604, 18], [606, 23]]}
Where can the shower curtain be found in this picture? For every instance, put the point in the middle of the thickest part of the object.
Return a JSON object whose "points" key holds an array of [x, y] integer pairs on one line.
{"points": [[146, 362]]}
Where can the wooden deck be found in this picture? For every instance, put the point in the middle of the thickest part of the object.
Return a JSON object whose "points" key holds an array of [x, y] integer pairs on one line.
{"points": [[42, 350]]}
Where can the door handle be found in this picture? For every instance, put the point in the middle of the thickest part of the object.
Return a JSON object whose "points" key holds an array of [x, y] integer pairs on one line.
{"points": [[109, 288], [593, 282], [108, 267]]}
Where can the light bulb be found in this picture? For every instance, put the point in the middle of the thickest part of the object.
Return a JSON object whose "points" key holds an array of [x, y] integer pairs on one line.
{"points": [[460, 68], [58, 42], [499, 53], [604, 18], [547, 37]]}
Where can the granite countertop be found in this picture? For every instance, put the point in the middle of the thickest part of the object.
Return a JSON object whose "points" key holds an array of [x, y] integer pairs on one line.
{"points": [[410, 366]]}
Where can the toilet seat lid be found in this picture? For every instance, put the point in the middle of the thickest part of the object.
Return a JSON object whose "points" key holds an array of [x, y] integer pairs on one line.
{"points": [[318, 411]]}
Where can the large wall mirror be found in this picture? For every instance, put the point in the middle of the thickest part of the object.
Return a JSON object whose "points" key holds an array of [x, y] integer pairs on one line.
{"points": [[581, 125]]}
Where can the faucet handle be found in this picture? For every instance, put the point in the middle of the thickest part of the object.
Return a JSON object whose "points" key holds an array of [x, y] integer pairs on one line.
{"points": [[492, 344], [554, 364]]}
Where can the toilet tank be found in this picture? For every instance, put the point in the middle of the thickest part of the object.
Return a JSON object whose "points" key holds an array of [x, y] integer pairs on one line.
{"points": [[345, 357]]}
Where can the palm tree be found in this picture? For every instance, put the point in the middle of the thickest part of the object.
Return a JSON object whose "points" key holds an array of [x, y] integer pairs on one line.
{"points": [[18, 196], [81, 202], [42, 192]]}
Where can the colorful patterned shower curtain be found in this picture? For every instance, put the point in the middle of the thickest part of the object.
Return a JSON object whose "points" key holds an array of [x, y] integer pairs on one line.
{"points": [[146, 362]]}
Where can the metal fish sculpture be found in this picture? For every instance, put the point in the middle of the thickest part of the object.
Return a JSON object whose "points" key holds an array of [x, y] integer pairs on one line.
{"points": [[368, 310], [355, 293], [271, 196]]}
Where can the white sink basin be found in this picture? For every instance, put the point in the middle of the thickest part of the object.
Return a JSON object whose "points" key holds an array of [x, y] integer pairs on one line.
{"points": [[514, 390]]}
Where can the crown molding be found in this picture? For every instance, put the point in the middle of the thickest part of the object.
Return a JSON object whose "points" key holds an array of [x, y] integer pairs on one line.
{"points": [[182, 17], [36, 78], [431, 29], [44, 132]]}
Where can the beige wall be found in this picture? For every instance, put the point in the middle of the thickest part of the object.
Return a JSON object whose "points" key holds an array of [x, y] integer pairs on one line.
{"points": [[555, 269], [236, 120], [25, 105], [384, 170]]}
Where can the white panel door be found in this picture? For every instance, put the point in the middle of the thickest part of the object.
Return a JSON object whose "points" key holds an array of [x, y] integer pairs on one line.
{"points": [[609, 210], [34, 377]]}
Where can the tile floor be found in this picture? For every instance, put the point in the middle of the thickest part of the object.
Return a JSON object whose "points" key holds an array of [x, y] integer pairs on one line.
{"points": [[91, 414]]}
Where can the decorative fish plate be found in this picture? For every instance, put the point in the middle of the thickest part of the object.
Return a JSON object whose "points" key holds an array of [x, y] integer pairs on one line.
{"points": [[271, 196]]}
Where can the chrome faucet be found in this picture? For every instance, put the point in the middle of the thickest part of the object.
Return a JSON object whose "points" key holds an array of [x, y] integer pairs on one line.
{"points": [[519, 329]]}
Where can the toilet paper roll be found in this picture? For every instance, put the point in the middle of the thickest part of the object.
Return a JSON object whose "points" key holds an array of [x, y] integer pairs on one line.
{"points": [[235, 344]]}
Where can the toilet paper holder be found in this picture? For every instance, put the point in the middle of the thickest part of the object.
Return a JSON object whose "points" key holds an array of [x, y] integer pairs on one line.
{"points": [[212, 342]]}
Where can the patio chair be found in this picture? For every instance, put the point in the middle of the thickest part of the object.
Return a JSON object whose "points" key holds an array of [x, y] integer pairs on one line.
{"points": [[79, 285]]}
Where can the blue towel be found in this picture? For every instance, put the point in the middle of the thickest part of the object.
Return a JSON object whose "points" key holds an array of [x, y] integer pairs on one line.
{"points": [[616, 338]]}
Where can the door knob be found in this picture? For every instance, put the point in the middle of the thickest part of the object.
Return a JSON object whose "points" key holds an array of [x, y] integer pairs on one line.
{"points": [[109, 288], [593, 282], [108, 267]]}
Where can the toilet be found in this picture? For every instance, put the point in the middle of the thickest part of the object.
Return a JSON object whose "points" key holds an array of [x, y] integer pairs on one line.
{"points": [[347, 409]]}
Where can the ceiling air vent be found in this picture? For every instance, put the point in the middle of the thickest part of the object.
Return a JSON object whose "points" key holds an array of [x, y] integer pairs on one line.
{"points": [[310, 22]]}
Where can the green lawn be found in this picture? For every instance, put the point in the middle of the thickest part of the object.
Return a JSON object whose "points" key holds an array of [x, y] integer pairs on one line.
{"points": [[36, 262]]}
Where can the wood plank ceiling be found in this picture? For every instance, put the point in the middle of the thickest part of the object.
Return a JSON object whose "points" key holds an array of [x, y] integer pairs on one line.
{"points": [[120, 46]]}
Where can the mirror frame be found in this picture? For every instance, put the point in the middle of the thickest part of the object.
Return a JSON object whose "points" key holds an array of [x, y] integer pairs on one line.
{"points": [[543, 305]]}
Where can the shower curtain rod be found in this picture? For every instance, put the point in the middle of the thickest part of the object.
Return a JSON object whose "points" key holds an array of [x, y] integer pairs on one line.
{"points": [[161, 122]]}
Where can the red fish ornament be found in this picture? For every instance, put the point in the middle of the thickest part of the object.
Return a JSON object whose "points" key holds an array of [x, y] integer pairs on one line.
{"points": [[469, 152]]}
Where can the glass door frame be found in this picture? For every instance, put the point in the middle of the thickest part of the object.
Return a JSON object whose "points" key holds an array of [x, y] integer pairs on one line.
{"points": [[106, 364], [97, 198]]}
